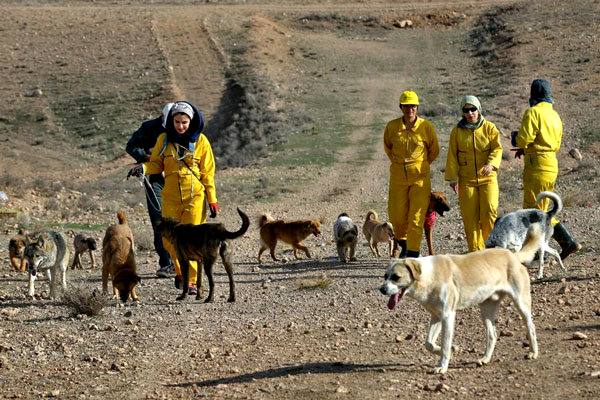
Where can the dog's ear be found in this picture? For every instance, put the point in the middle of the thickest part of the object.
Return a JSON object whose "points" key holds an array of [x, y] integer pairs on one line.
{"points": [[414, 267]]}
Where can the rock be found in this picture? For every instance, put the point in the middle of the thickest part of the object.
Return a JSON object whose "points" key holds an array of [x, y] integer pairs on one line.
{"points": [[595, 374], [37, 92], [579, 336], [564, 289], [9, 312], [441, 387], [576, 154], [398, 339], [342, 390]]}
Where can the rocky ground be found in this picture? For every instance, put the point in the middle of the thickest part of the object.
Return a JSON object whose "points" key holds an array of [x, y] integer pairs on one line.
{"points": [[313, 328]]}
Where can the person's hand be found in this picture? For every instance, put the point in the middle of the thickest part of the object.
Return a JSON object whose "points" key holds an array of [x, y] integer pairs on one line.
{"points": [[214, 209], [519, 153], [137, 171], [486, 170], [454, 186]]}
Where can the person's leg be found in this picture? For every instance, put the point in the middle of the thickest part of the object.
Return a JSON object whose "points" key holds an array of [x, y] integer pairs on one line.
{"points": [[194, 213], [398, 214], [468, 200], [419, 194], [154, 203], [172, 211], [488, 209]]}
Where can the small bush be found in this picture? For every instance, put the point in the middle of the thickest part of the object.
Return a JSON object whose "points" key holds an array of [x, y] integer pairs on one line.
{"points": [[82, 301], [144, 240]]}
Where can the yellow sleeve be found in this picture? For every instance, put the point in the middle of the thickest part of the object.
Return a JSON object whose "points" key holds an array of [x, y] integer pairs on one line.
{"points": [[433, 145], [527, 131], [495, 157], [156, 163], [206, 165], [451, 173], [387, 143]]}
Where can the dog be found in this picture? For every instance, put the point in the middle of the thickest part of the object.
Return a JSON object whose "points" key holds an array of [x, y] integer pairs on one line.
{"points": [[510, 230], [444, 284], [118, 261], [378, 232], [289, 232], [16, 248], [438, 204], [46, 252], [202, 243], [345, 234], [83, 243]]}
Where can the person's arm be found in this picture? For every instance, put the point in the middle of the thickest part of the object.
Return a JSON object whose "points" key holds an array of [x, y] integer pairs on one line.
{"points": [[387, 143], [451, 171], [495, 157], [528, 129], [155, 165], [433, 147], [206, 165]]}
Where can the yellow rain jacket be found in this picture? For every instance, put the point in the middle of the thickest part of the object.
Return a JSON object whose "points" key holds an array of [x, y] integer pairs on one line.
{"points": [[411, 151], [539, 136], [184, 192], [468, 152]]}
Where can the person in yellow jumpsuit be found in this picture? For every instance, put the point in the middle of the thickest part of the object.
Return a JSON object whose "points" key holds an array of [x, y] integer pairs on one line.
{"points": [[474, 156], [539, 139], [411, 144], [185, 157]]}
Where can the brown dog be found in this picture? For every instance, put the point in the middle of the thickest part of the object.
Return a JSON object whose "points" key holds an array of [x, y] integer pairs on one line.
{"points": [[83, 243], [376, 232], [289, 232], [118, 260], [438, 204], [202, 243], [16, 248]]}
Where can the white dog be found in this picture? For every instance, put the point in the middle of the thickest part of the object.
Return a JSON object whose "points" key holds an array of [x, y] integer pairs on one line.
{"points": [[345, 234], [444, 284]]}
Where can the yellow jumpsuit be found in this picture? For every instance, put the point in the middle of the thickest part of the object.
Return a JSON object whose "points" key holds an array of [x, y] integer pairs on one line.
{"points": [[540, 135], [184, 194], [468, 152], [410, 151]]}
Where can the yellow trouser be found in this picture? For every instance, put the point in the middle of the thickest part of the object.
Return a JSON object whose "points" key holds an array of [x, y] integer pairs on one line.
{"points": [[407, 206], [535, 182], [479, 209], [192, 213]]}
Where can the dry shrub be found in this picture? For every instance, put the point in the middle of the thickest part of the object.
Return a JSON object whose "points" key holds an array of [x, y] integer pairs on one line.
{"points": [[82, 301], [315, 283], [144, 240]]}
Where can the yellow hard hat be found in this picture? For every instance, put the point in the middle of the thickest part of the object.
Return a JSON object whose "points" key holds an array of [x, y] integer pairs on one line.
{"points": [[409, 97]]}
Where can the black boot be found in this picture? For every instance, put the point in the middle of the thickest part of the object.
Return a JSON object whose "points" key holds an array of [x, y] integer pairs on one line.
{"points": [[400, 244], [568, 245], [412, 254]]}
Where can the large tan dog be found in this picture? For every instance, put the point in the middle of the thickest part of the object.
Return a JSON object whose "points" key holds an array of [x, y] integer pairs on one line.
{"points": [[289, 232], [118, 260], [444, 284], [376, 232]]}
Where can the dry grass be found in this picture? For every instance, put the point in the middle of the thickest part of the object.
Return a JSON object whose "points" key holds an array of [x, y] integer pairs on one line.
{"points": [[82, 301], [314, 283]]}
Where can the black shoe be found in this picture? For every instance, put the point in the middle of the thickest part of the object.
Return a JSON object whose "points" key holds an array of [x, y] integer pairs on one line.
{"points": [[412, 254]]}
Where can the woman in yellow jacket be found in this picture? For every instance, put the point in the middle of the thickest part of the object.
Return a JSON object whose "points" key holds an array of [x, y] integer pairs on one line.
{"points": [[185, 157], [474, 156], [411, 144], [539, 139]]}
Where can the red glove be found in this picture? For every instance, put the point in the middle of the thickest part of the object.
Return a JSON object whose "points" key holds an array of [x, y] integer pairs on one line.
{"points": [[214, 209]]}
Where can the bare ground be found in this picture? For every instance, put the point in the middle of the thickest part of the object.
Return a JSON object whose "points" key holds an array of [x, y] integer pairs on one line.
{"points": [[280, 339]]}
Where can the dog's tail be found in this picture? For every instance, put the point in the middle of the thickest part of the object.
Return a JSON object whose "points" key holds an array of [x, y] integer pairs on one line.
{"points": [[372, 215], [557, 205], [263, 219], [532, 243], [121, 217], [243, 228]]}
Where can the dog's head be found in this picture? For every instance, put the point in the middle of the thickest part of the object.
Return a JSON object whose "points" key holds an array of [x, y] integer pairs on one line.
{"points": [[91, 243], [124, 281], [315, 226], [438, 203], [37, 251], [399, 276]]}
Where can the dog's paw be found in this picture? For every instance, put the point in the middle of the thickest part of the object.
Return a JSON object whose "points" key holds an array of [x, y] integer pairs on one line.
{"points": [[439, 370], [531, 355], [483, 361]]}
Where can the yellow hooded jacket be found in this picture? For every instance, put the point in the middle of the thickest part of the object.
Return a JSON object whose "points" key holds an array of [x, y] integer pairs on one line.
{"points": [[181, 186], [410, 151], [469, 151], [540, 135]]}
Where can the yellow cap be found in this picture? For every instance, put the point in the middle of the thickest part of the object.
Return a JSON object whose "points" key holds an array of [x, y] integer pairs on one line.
{"points": [[409, 97]]}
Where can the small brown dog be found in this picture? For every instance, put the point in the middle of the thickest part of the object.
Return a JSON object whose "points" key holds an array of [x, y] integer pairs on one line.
{"points": [[202, 243], [83, 243], [289, 232], [438, 204], [118, 260], [16, 248], [376, 232]]}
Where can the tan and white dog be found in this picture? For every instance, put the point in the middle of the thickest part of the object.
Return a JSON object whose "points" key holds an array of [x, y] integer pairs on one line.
{"points": [[376, 232], [444, 284]]}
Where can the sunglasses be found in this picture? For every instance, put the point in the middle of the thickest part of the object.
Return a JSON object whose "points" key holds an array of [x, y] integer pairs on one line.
{"points": [[472, 109]]}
